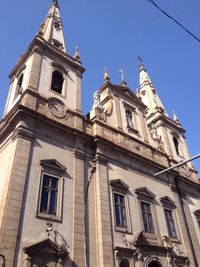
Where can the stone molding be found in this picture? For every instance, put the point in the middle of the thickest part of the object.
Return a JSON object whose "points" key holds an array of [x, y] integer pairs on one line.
{"points": [[79, 153]]}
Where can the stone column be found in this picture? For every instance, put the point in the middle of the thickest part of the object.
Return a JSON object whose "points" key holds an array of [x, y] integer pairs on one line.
{"points": [[78, 239], [183, 225], [35, 69], [13, 207], [105, 254]]}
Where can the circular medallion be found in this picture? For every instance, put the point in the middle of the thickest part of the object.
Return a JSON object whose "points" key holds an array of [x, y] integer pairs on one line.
{"points": [[57, 107]]}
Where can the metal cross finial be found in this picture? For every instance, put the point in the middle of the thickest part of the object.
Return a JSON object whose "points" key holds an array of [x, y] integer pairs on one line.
{"points": [[122, 74], [55, 2], [140, 59]]}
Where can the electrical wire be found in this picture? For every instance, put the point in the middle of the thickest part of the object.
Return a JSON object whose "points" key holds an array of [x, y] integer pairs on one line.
{"points": [[176, 21]]}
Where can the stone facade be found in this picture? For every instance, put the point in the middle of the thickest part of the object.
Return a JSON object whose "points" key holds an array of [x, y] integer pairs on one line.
{"points": [[81, 191]]}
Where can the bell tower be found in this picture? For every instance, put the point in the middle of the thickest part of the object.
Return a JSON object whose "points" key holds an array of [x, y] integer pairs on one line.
{"points": [[38, 144], [167, 133], [47, 69]]}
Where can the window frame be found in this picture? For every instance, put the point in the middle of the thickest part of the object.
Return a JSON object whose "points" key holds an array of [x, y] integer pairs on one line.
{"points": [[47, 198], [145, 195], [64, 71], [120, 188], [18, 88], [52, 76], [197, 215], [152, 230], [171, 236], [58, 215], [169, 204], [176, 143], [122, 211]]}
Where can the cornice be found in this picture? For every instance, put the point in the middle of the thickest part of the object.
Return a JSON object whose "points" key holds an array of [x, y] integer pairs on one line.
{"points": [[23, 132], [79, 154], [164, 120], [138, 141], [101, 159], [39, 44]]}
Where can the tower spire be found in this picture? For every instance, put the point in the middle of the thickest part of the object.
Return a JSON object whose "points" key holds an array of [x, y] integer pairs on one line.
{"points": [[175, 118], [148, 93], [51, 28], [106, 76]]}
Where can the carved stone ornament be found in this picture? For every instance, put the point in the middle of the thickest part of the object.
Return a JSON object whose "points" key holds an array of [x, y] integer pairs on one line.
{"points": [[186, 171], [154, 133], [100, 114], [57, 107]]}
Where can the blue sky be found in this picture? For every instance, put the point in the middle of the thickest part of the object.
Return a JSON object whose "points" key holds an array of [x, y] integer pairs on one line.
{"points": [[112, 34]]}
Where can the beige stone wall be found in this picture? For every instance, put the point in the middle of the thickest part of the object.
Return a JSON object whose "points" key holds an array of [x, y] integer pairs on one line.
{"points": [[11, 101], [194, 204], [33, 228], [161, 189], [69, 85], [7, 154]]}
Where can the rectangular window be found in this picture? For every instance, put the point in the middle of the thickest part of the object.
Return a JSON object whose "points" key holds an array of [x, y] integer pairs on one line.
{"points": [[49, 195], [120, 210], [147, 217], [170, 223]]}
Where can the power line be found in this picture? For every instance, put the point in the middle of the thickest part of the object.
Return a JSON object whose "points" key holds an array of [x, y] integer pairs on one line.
{"points": [[176, 21]]}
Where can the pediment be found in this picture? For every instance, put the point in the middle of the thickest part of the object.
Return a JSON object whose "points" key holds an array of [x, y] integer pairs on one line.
{"points": [[143, 191], [53, 164], [46, 247], [119, 184], [166, 201]]}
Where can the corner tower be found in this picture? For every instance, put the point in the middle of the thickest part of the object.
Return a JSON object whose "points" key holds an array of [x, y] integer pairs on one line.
{"points": [[47, 69], [165, 133], [42, 154]]}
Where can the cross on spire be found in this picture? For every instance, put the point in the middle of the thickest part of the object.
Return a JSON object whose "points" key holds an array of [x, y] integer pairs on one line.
{"points": [[122, 74], [55, 2], [140, 59]]}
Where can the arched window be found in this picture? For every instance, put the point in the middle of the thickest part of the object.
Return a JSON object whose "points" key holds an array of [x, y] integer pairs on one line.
{"points": [[57, 82], [19, 84], [176, 145], [2, 261], [154, 264], [124, 263]]}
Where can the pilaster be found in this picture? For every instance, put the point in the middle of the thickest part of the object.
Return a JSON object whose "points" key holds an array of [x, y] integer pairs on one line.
{"points": [[78, 92], [35, 68], [190, 226], [144, 129], [166, 141], [13, 206], [178, 198], [105, 254], [118, 113], [78, 238]]}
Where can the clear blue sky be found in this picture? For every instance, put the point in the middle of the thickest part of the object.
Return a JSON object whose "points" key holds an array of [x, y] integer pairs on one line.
{"points": [[112, 34]]}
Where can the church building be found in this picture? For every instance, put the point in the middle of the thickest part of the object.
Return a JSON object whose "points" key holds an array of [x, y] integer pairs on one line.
{"points": [[80, 190]]}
